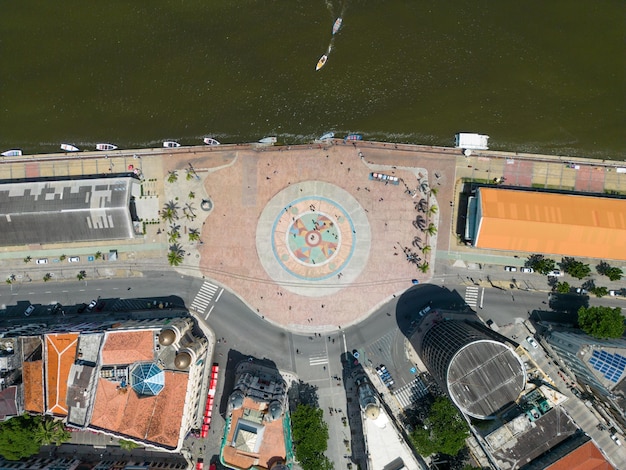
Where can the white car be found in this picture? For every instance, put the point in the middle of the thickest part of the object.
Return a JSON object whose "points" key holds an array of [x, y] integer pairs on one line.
{"points": [[616, 439], [532, 342], [555, 273], [73, 259], [510, 269], [527, 270], [615, 293], [92, 305], [42, 261]]}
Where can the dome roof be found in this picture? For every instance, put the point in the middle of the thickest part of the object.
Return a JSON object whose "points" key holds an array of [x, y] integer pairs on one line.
{"points": [[147, 379], [372, 411], [167, 337], [274, 411], [182, 360], [236, 400]]}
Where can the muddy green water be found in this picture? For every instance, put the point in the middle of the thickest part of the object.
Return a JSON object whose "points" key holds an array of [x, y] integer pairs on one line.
{"points": [[538, 76]]}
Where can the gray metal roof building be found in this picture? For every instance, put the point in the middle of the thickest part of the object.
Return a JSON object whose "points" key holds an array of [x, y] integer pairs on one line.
{"points": [[72, 210], [481, 374]]}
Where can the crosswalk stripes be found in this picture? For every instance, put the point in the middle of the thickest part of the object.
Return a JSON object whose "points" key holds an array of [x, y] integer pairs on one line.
{"points": [[471, 296], [204, 297], [318, 360], [411, 392]]}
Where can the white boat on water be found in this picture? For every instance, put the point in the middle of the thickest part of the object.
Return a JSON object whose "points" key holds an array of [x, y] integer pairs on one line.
{"points": [[337, 25], [210, 141], [170, 144], [105, 147], [327, 136], [69, 148], [12, 153], [321, 62], [268, 140]]}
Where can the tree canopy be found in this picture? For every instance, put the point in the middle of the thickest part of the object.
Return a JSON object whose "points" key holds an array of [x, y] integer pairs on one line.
{"points": [[310, 438], [540, 263], [444, 430], [601, 322], [613, 273], [23, 435], [575, 268]]}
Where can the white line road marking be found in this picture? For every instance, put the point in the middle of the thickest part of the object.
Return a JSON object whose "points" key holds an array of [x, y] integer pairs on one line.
{"points": [[318, 360], [219, 295], [206, 317]]}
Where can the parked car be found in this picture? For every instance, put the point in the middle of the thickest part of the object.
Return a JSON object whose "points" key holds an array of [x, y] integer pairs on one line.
{"points": [[510, 269], [91, 305], [532, 342], [527, 270], [42, 261], [73, 259], [581, 291], [615, 293], [555, 273], [616, 439], [29, 310], [424, 311]]}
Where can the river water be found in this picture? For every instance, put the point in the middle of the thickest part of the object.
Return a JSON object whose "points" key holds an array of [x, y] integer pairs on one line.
{"points": [[538, 76]]}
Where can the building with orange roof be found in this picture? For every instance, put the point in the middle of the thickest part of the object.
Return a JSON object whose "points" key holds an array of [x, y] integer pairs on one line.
{"points": [[547, 223], [257, 427], [576, 453], [32, 375], [60, 350], [150, 393]]}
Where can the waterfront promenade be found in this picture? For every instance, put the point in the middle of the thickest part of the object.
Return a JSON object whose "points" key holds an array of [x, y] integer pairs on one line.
{"points": [[301, 233]]}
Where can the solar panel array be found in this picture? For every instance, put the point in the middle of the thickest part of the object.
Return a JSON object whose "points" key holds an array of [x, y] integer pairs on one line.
{"points": [[610, 365]]}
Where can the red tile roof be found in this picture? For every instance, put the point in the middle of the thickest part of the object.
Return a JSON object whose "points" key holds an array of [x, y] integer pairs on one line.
{"points": [[157, 419], [60, 355], [126, 347], [585, 457], [33, 386]]}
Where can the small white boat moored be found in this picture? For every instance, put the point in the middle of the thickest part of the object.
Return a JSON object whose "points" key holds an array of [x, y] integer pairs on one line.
{"points": [[210, 141], [105, 147], [321, 62], [327, 136], [170, 144], [268, 140], [69, 148], [12, 153]]}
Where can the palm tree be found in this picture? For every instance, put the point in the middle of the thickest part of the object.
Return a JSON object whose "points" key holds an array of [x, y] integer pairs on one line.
{"points": [[173, 177], [433, 191], [98, 254], [50, 431], [194, 235], [433, 210], [424, 267], [176, 255], [28, 259], [62, 257], [189, 174], [431, 229], [173, 237], [192, 195], [81, 275], [426, 249], [47, 277]]}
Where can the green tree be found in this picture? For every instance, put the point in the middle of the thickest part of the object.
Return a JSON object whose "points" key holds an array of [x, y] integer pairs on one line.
{"points": [[47, 277], [431, 229], [424, 267], [172, 177], [28, 259], [128, 445], [62, 257], [194, 235], [191, 195], [17, 437], [98, 254], [426, 249], [599, 291], [540, 263], [433, 191], [613, 273], [601, 322], [81, 275], [50, 431], [433, 210], [310, 438], [444, 430], [562, 287], [176, 255], [575, 268]]}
